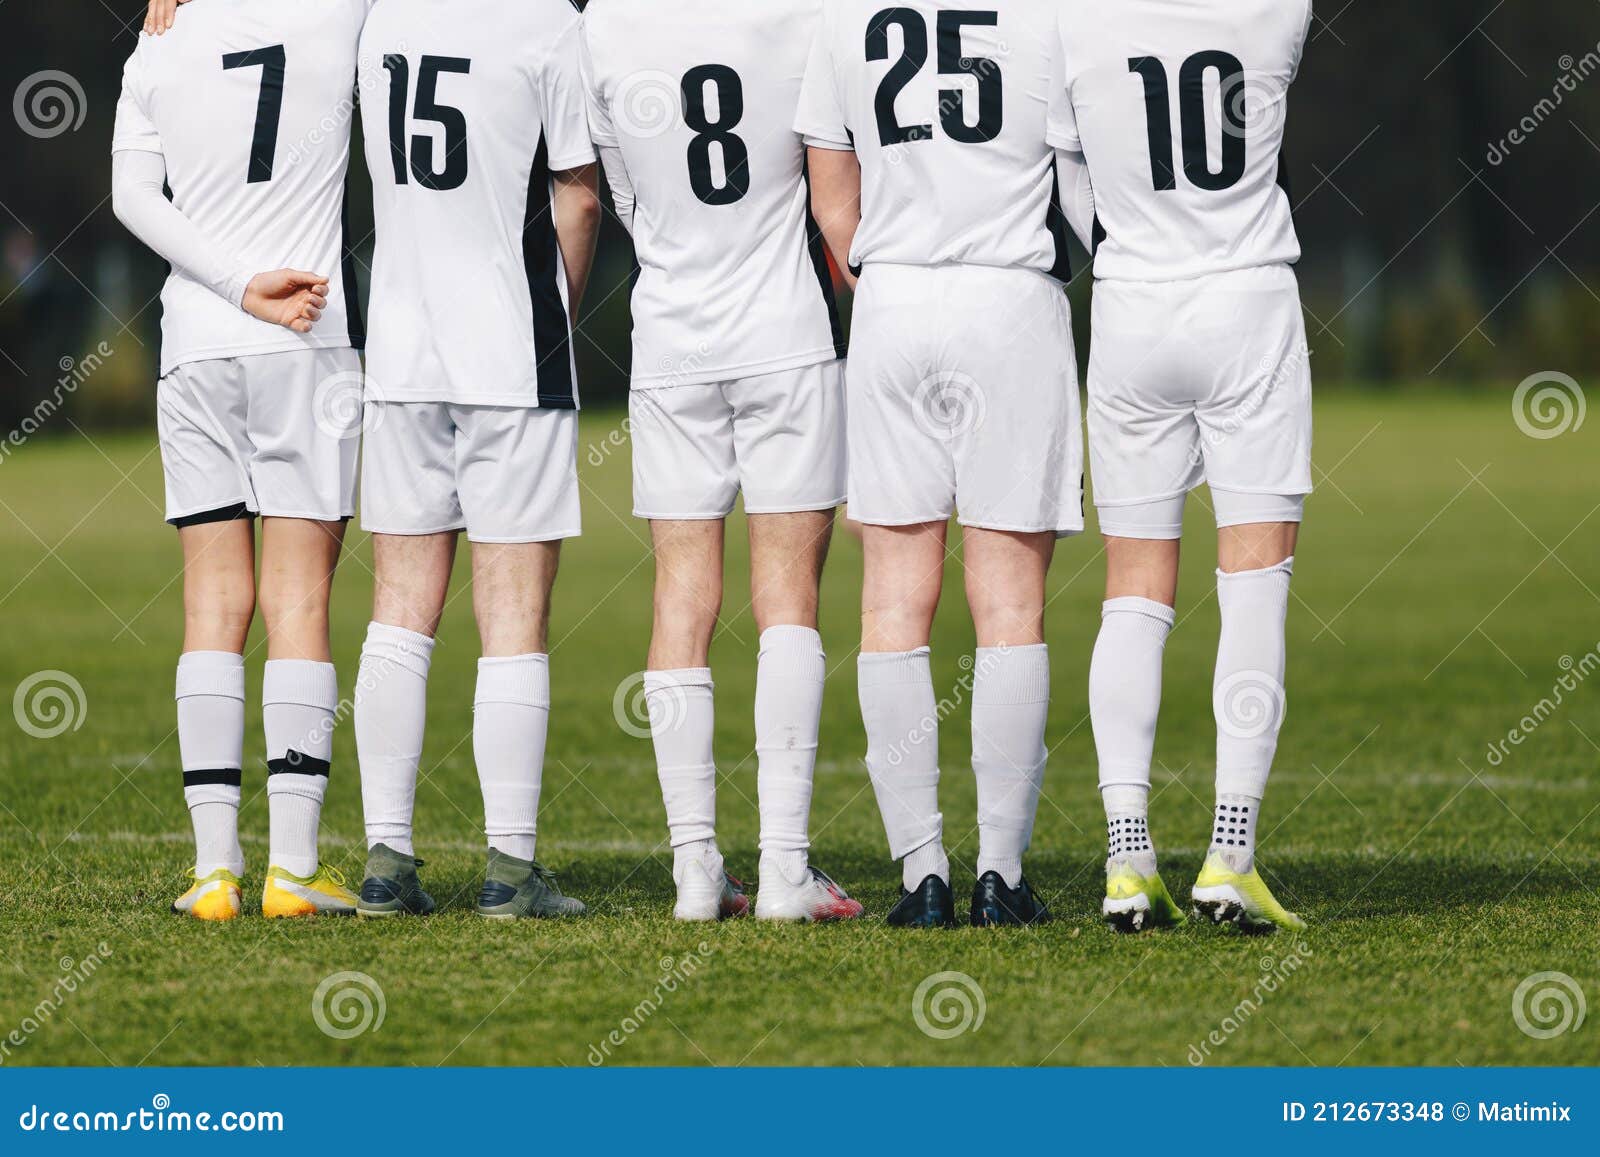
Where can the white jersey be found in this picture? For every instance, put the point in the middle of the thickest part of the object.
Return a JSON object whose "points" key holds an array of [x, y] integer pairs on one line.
{"points": [[699, 96], [945, 107], [467, 106], [1178, 107], [249, 105]]}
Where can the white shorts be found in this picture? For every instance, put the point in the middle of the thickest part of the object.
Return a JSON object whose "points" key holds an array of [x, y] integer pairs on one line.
{"points": [[964, 398], [270, 434], [1201, 380], [778, 437], [501, 473]]}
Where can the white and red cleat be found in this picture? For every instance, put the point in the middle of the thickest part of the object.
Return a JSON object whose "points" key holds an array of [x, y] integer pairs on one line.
{"points": [[706, 892], [813, 899]]}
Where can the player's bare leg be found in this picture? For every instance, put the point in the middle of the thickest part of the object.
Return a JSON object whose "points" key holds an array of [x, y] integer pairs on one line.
{"points": [[678, 692], [787, 553], [1254, 563], [1005, 577], [902, 580], [391, 702], [1124, 702], [219, 600], [300, 697]]}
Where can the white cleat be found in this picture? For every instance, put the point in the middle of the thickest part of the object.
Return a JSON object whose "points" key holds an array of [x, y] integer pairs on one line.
{"points": [[813, 900], [707, 893]]}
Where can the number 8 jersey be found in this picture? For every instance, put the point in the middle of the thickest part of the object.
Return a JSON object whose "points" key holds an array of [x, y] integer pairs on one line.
{"points": [[1178, 107], [467, 107]]}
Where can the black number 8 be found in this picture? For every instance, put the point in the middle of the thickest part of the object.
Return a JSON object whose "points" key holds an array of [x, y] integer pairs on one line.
{"points": [[730, 111]]}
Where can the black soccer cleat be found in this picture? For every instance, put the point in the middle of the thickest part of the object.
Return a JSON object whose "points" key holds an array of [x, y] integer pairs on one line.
{"points": [[995, 903], [931, 905]]}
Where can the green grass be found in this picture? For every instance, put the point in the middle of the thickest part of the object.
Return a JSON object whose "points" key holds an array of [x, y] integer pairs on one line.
{"points": [[1449, 563]]}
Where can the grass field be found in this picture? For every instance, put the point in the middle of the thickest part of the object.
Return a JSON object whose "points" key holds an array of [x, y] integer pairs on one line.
{"points": [[1449, 565]]}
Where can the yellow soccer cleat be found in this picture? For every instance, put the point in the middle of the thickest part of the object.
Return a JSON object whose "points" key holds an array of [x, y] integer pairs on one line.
{"points": [[214, 898], [1242, 899], [321, 893], [1135, 902]]}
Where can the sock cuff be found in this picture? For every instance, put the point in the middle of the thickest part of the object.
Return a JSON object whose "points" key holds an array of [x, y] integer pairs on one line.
{"points": [[215, 673], [790, 636], [1144, 608], [1005, 675], [1284, 568], [679, 677], [396, 645], [519, 679], [301, 682], [887, 668]]}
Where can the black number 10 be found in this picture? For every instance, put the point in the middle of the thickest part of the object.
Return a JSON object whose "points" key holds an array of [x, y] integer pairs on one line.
{"points": [[1192, 117]]}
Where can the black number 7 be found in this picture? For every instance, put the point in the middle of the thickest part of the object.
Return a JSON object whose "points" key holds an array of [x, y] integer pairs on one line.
{"points": [[269, 106]]}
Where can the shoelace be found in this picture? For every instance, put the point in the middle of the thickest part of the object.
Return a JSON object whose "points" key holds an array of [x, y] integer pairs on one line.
{"points": [[546, 876]]}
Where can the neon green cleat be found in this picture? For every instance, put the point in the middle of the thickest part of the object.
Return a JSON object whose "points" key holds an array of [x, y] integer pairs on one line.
{"points": [[1135, 902], [216, 897], [321, 893], [1242, 899]]}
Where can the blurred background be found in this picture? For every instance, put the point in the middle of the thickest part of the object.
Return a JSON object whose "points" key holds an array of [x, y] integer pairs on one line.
{"points": [[1445, 157]]}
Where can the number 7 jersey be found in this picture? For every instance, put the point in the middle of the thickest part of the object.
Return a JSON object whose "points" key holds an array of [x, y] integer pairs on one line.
{"points": [[1179, 108], [467, 107]]}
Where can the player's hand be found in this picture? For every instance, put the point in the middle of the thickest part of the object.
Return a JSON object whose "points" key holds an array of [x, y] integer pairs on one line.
{"points": [[287, 297], [160, 15]]}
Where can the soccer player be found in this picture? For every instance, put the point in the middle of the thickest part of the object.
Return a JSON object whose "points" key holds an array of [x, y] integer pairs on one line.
{"points": [[486, 207], [737, 385], [1199, 372], [233, 110], [930, 173]]}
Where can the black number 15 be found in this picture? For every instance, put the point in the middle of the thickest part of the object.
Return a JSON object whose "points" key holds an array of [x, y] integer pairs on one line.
{"points": [[420, 161]]}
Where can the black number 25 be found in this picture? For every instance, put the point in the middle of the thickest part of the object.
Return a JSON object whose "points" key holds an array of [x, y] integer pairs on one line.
{"points": [[420, 161], [269, 106], [952, 61], [1192, 118]]}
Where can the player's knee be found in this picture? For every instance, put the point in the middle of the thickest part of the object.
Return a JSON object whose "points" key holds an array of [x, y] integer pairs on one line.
{"points": [[221, 615]]}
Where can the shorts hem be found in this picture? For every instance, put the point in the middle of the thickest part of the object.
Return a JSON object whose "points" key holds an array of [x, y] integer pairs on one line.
{"points": [[702, 517], [1102, 503], [1144, 533], [304, 517], [796, 508], [523, 539], [1270, 491], [1058, 531], [869, 520], [369, 528], [236, 510]]}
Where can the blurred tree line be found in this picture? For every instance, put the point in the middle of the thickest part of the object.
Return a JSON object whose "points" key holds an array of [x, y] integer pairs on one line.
{"points": [[1445, 156]]}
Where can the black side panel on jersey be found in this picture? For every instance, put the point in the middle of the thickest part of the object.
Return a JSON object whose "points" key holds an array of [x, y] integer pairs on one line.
{"points": [[355, 320], [1061, 267], [819, 262], [1283, 177], [552, 340]]}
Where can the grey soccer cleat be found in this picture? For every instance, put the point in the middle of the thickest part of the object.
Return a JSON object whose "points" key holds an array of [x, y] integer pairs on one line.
{"points": [[391, 887], [516, 889]]}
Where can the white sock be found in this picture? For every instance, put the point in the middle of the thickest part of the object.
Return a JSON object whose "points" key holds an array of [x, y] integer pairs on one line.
{"points": [[1124, 702], [391, 710], [210, 695], [705, 851], [510, 721], [298, 700], [1010, 703], [789, 677], [902, 723], [682, 718], [1248, 698]]}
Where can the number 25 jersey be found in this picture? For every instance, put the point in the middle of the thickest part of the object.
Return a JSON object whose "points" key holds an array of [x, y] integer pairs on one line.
{"points": [[467, 106], [1178, 107]]}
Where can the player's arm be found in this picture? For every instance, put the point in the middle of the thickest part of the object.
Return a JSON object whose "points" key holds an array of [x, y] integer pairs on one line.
{"points": [[576, 202], [621, 184], [285, 297], [836, 201], [1077, 194]]}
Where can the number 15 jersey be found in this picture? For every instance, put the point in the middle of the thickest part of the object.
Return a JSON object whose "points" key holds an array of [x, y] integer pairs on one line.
{"points": [[467, 106]]}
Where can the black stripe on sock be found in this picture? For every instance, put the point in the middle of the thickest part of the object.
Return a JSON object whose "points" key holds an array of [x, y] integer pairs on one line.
{"points": [[217, 777], [298, 763]]}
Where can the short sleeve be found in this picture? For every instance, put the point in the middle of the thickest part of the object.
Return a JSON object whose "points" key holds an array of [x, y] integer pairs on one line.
{"points": [[1061, 119], [1300, 48], [820, 118], [601, 130], [566, 120], [135, 131]]}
